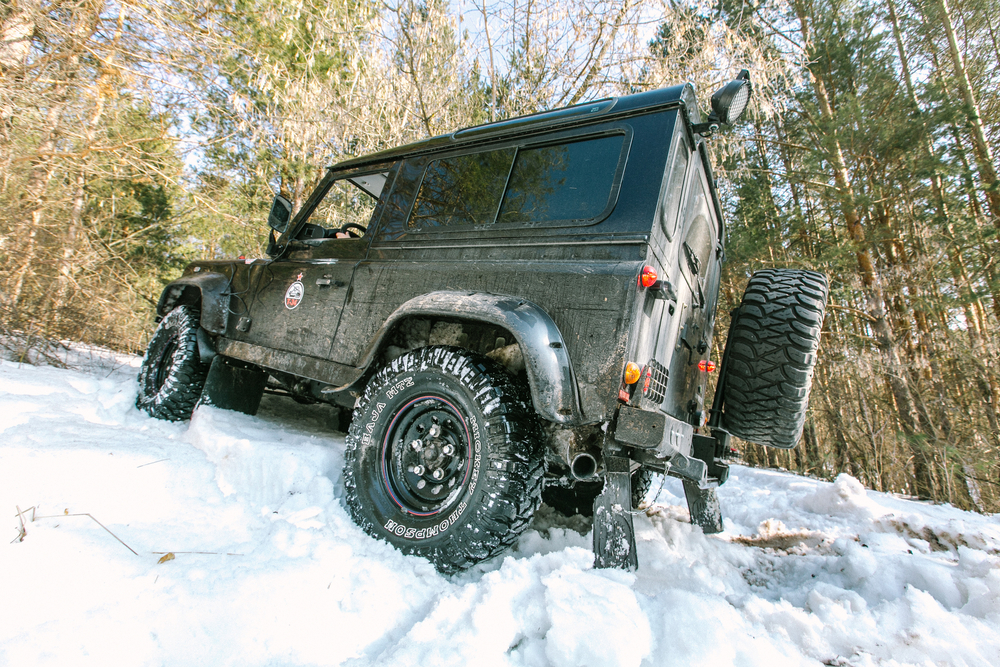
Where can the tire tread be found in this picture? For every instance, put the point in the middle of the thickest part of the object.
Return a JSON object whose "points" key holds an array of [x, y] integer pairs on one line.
{"points": [[773, 346]]}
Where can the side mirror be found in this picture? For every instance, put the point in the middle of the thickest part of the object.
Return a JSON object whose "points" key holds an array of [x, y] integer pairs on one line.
{"points": [[281, 213], [728, 104]]}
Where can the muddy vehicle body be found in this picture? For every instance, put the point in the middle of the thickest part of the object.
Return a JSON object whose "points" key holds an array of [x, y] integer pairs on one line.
{"points": [[513, 307]]}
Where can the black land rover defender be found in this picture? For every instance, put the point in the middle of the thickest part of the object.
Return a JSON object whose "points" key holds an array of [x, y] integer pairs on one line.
{"points": [[515, 312]]}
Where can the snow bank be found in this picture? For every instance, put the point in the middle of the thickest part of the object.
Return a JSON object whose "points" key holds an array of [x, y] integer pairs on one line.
{"points": [[268, 569]]}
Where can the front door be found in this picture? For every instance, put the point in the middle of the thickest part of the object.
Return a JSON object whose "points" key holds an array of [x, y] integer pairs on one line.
{"points": [[294, 303]]}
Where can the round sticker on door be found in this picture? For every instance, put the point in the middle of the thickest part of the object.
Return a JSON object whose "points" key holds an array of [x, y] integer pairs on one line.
{"points": [[294, 293]]}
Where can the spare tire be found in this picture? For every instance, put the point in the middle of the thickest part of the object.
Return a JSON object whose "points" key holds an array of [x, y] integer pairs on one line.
{"points": [[172, 374], [770, 355]]}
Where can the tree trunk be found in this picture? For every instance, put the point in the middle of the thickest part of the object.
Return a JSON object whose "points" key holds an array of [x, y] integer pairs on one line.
{"points": [[980, 144], [876, 304]]}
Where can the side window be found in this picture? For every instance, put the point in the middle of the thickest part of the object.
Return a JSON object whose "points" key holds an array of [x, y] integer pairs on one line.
{"points": [[570, 181], [674, 190], [562, 182], [462, 190], [346, 208], [344, 203]]}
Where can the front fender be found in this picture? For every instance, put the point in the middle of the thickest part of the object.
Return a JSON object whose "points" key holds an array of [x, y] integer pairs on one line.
{"points": [[546, 359], [209, 289]]}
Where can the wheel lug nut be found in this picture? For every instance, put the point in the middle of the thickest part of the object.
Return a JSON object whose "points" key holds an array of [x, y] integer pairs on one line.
{"points": [[434, 430], [447, 450], [417, 445], [438, 473], [418, 470]]}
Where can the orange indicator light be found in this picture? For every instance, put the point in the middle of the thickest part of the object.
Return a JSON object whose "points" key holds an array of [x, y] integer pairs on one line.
{"points": [[632, 373]]}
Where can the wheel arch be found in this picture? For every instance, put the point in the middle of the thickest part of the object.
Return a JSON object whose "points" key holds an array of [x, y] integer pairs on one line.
{"points": [[554, 391], [209, 291]]}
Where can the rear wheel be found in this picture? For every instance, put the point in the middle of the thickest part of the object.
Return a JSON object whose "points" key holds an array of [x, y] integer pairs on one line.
{"points": [[172, 374], [443, 457], [770, 355]]}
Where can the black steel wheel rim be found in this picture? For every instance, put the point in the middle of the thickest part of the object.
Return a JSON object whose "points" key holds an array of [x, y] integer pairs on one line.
{"points": [[426, 456], [165, 363]]}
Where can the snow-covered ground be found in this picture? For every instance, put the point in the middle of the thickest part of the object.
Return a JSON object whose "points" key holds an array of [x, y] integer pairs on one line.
{"points": [[268, 569]]}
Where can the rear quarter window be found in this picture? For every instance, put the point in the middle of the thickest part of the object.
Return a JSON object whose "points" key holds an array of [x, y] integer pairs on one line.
{"points": [[562, 182]]}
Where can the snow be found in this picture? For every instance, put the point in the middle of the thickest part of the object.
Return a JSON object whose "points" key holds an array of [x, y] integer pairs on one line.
{"points": [[268, 568]]}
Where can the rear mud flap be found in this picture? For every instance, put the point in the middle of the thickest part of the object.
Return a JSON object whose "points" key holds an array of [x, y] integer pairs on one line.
{"points": [[703, 504], [614, 534]]}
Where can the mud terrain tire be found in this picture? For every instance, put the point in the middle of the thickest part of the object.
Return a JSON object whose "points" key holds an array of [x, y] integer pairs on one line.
{"points": [[771, 352], [579, 499], [444, 457], [172, 374]]}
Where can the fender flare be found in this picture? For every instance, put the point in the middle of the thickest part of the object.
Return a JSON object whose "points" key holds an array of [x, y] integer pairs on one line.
{"points": [[551, 378], [209, 288]]}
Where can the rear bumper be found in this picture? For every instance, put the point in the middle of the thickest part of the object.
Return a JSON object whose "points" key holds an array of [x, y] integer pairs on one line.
{"points": [[668, 443], [660, 433]]}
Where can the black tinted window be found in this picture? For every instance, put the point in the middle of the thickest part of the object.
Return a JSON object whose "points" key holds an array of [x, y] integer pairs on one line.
{"points": [[570, 181], [563, 182], [462, 190]]}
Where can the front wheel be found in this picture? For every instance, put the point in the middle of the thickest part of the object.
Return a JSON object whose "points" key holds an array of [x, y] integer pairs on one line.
{"points": [[172, 374], [443, 457]]}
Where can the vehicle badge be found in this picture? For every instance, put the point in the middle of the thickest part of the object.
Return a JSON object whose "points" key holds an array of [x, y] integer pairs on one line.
{"points": [[294, 293]]}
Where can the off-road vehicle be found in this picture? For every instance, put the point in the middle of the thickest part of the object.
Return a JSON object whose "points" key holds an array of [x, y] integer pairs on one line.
{"points": [[515, 306]]}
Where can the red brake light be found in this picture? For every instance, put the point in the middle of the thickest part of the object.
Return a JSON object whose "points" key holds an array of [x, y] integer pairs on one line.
{"points": [[706, 366], [647, 278]]}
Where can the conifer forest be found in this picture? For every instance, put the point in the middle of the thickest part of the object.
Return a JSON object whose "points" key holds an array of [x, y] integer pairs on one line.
{"points": [[137, 136]]}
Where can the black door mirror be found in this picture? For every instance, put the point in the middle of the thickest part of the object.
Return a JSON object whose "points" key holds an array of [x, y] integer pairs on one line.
{"points": [[281, 213]]}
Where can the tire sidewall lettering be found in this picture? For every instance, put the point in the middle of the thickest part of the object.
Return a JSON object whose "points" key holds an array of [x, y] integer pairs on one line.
{"points": [[381, 408], [401, 529]]}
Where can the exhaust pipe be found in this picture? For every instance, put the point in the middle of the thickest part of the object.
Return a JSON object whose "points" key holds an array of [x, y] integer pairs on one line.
{"points": [[583, 467]]}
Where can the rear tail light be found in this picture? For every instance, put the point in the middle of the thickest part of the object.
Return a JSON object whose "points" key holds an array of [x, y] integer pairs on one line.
{"points": [[647, 277], [706, 366]]}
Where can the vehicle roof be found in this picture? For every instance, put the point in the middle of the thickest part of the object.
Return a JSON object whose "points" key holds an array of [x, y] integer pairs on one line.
{"points": [[600, 110]]}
